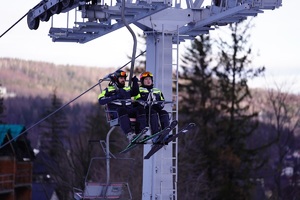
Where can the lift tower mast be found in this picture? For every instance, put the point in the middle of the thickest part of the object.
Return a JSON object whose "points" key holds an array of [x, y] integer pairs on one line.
{"points": [[166, 23]]}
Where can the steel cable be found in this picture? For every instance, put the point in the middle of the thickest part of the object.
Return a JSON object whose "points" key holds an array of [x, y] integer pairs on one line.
{"points": [[60, 108]]}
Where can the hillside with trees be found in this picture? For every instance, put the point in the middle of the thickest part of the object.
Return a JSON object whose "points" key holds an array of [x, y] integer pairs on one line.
{"points": [[244, 137], [69, 138], [30, 78], [245, 142]]}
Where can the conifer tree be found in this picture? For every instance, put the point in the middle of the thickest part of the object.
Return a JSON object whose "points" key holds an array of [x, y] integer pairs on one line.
{"points": [[196, 88], [236, 122], [196, 81], [2, 108], [218, 160], [54, 127], [54, 143], [86, 145]]}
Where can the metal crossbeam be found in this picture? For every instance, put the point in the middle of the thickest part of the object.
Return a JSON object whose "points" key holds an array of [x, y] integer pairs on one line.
{"points": [[150, 15]]}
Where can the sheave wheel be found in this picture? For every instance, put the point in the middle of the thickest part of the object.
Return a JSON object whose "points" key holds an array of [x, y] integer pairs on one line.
{"points": [[33, 24], [67, 3], [56, 9], [45, 16]]}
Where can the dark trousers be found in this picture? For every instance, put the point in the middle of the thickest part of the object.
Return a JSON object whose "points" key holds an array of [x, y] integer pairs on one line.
{"points": [[127, 112], [158, 119]]}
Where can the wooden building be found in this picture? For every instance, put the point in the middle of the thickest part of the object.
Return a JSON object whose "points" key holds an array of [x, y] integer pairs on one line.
{"points": [[16, 157]]}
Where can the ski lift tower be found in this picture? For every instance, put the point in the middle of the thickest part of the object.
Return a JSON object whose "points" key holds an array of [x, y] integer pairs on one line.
{"points": [[166, 23]]}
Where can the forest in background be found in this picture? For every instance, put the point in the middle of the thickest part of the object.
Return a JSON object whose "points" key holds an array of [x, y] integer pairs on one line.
{"points": [[34, 88], [230, 154], [34, 82], [39, 79]]}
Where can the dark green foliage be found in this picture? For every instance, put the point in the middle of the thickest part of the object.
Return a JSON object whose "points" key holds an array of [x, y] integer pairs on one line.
{"points": [[218, 164], [81, 142], [69, 153], [54, 143], [196, 90], [2, 108], [237, 121], [54, 126], [86, 145], [196, 81]]}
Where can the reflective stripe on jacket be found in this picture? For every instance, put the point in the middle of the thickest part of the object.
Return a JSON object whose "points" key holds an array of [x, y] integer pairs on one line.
{"points": [[144, 93], [111, 90], [109, 95]]}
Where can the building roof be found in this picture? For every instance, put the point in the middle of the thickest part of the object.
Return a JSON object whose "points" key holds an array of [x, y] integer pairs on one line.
{"points": [[20, 146], [13, 129]]}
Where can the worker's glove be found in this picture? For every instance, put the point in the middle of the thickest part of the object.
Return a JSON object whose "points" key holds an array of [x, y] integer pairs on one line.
{"points": [[134, 79]]}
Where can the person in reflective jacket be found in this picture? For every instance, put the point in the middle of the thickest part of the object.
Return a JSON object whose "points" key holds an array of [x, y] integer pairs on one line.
{"points": [[150, 97], [117, 96]]}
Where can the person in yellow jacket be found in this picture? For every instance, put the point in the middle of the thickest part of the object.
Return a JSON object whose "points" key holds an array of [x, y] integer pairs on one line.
{"points": [[152, 100], [117, 90]]}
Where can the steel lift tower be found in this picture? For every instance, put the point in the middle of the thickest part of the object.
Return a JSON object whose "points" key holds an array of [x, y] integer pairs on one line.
{"points": [[166, 23]]}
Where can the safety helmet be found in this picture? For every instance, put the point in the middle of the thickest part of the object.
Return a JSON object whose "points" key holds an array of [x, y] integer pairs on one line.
{"points": [[144, 75], [114, 77], [119, 73]]}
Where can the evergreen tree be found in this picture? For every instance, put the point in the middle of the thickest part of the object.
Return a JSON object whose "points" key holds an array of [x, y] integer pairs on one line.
{"points": [[2, 108], [236, 123], [218, 161], [53, 136], [86, 145], [68, 154], [196, 90], [195, 83], [54, 143]]}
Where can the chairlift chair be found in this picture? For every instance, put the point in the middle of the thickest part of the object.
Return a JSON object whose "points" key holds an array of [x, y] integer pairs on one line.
{"points": [[98, 188], [112, 115]]}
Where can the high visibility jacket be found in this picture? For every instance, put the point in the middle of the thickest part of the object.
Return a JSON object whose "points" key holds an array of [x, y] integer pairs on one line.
{"points": [[156, 95], [109, 94], [151, 95]]}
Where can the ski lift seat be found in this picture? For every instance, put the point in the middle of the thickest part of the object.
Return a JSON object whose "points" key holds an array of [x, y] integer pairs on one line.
{"points": [[109, 114], [112, 115], [113, 119], [96, 190]]}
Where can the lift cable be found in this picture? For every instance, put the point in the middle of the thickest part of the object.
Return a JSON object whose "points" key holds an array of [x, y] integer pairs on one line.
{"points": [[134, 41], [125, 23], [13, 25], [60, 108], [17, 22]]}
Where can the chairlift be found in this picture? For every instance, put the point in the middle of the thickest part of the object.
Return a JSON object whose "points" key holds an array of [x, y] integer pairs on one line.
{"points": [[98, 188], [112, 115]]}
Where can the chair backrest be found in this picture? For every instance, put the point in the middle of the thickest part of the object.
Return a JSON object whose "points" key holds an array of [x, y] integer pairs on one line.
{"points": [[114, 190], [93, 190], [111, 116]]}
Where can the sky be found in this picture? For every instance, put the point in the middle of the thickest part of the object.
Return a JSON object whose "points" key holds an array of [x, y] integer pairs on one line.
{"points": [[275, 37]]}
